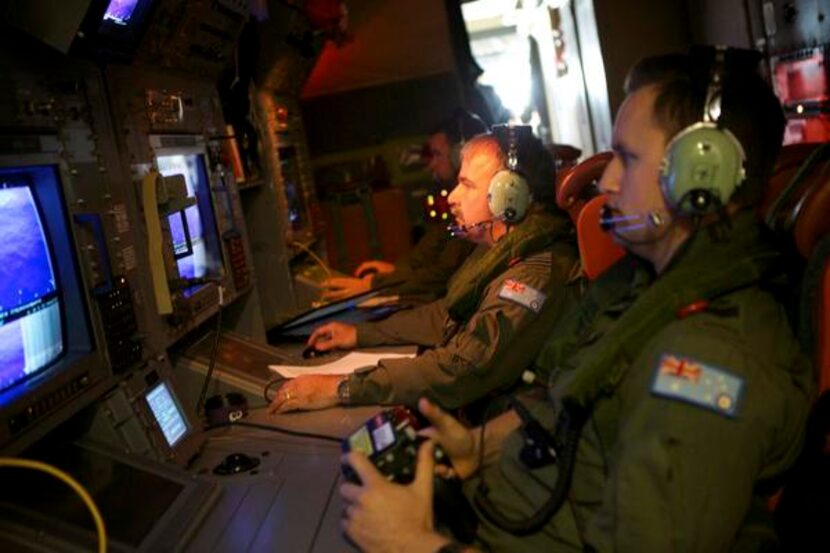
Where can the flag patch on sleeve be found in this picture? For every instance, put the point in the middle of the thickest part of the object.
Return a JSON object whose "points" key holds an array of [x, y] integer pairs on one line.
{"points": [[522, 294], [699, 384]]}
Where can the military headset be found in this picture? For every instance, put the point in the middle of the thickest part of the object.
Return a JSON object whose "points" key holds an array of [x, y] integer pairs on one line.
{"points": [[508, 194], [703, 164]]}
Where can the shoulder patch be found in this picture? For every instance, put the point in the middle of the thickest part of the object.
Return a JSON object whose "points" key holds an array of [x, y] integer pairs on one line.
{"points": [[699, 384], [522, 294]]}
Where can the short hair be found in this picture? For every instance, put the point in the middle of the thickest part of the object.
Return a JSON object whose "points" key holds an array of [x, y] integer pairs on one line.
{"points": [[534, 162], [749, 108], [460, 126]]}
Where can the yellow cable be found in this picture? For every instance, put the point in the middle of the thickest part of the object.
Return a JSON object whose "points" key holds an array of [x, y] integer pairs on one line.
{"points": [[314, 256], [72, 483]]}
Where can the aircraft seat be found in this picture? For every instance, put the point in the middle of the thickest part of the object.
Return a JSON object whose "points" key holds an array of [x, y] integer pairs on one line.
{"points": [[798, 206], [574, 188]]}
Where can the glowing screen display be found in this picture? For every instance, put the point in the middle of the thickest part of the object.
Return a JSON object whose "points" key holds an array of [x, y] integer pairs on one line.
{"points": [[120, 11], [167, 414], [31, 334], [188, 228]]}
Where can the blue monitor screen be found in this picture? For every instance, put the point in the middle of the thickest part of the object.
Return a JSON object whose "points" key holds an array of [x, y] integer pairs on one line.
{"points": [[31, 334], [120, 11], [192, 230]]}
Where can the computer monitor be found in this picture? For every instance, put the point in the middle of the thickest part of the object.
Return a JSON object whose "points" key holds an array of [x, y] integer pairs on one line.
{"points": [[193, 231], [48, 358], [31, 331]]}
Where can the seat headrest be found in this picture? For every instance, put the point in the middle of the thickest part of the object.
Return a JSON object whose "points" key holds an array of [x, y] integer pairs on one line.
{"points": [[573, 189]]}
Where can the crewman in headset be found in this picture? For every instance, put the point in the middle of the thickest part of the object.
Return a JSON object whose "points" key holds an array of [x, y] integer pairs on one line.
{"points": [[422, 275], [676, 390], [524, 257]]}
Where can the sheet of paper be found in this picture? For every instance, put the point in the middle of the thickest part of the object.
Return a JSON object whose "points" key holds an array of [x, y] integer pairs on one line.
{"points": [[344, 365]]}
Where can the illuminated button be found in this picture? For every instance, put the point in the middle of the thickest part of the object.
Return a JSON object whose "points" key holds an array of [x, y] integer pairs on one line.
{"points": [[433, 213], [430, 200], [444, 193]]}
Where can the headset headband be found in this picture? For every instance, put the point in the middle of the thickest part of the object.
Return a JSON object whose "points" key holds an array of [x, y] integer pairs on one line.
{"points": [[512, 148], [714, 92]]}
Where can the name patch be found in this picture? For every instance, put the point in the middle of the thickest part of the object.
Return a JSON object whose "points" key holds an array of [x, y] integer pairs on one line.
{"points": [[699, 384], [522, 294]]}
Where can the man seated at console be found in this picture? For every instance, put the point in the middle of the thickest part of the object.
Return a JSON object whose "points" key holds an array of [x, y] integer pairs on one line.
{"points": [[676, 389], [421, 275], [524, 256]]}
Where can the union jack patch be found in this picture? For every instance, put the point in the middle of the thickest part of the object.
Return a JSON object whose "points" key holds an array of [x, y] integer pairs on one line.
{"points": [[522, 294], [699, 384]]}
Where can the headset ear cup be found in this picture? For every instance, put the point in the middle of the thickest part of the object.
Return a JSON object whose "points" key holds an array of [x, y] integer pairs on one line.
{"points": [[701, 169], [509, 196]]}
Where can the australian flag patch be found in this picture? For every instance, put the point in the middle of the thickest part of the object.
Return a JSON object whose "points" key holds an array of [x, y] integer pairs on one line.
{"points": [[522, 294], [699, 384]]}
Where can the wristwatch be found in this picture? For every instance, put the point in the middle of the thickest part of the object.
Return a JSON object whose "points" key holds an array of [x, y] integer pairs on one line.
{"points": [[343, 393]]}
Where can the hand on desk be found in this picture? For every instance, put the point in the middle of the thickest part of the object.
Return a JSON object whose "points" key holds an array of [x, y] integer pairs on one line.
{"points": [[375, 266], [338, 288], [306, 393], [333, 336], [382, 516]]}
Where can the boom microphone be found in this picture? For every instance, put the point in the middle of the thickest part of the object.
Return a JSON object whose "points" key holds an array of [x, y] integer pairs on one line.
{"points": [[609, 222], [461, 231]]}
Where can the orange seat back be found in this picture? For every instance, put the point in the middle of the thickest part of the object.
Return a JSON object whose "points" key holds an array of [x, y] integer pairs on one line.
{"points": [[597, 248]]}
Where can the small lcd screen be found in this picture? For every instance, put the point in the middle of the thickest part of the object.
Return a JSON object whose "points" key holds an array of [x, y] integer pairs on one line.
{"points": [[31, 333], [120, 11], [167, 413], [193, 230], [383, 436]]}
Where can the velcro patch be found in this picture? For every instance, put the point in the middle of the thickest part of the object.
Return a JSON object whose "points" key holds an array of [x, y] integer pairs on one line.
{"points": [[699, 384], [522, 294]]}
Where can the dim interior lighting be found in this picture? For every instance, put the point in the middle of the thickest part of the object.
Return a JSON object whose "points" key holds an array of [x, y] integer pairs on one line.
{"points": [[433, 213], [430, 200], [443, 193], [799, 109]]}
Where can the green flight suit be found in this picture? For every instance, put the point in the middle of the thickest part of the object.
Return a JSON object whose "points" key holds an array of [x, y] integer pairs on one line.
{"points": [[457, 368], [421, 276], [656, 472]]}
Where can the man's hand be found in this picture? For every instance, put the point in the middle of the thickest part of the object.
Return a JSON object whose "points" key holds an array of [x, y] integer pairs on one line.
{"points": [[460, 443], [382, 516], [342, 287], [333, 336], [306, 393], [380, 267]]}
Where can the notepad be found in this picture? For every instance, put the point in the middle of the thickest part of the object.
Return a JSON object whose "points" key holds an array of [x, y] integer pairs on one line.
{"points": [[347, 364]]}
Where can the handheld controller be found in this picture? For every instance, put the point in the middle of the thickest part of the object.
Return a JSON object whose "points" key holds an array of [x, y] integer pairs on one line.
{"points": [[390, 439]]}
